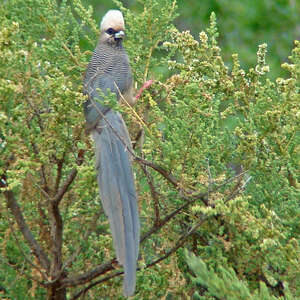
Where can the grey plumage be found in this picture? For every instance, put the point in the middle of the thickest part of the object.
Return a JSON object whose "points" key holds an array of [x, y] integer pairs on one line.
{"points": [[109, 69]]}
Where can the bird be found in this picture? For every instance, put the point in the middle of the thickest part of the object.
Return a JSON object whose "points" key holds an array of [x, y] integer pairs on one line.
{"points": [[109, 71]]}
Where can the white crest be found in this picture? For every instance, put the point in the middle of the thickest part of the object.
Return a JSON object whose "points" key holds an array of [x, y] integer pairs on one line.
{"points": [[112, 19]]}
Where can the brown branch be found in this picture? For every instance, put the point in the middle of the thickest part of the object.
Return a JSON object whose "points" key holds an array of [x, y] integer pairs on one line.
{"points": [[27, 259], [21, 272], [44, 180], [154, 195], [56, 222], [64, 188], [138, 136], [56, 232], [14, 207], [166, 174], [60, 163], [84, 290], [77, 251], [180, 242], [89, 275], [56, 226], [103, 268], [170, 216]]}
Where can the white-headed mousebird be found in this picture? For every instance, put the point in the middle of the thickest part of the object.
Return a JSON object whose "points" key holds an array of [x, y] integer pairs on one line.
{"points": [[109, 69]]}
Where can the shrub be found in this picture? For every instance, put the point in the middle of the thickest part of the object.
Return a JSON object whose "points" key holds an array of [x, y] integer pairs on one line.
{"points": [[217, 154]]}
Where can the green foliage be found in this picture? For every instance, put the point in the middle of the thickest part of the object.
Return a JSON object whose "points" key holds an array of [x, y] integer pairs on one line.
{"points": [[41, 68], [145, 33], [225, 284], [245, 24], [229, 133], [218, 117]]}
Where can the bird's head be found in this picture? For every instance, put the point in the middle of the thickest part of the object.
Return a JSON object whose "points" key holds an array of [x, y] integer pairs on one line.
{"points": [[112, 27]]}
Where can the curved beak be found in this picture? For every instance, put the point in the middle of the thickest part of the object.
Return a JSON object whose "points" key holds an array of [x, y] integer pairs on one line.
{"points": [[120, 34]]}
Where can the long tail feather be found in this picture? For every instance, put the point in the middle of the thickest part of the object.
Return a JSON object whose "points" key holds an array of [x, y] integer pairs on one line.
{"points": [[118, 194]]}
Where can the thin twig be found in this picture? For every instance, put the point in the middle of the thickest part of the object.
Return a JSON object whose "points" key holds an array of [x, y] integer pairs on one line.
{"points": [[154, 195], [14, 207], [18, 270], [180, 242], [89, 275], [166, 174], [64, 188], [71, 259], [47, 196], [170, 216], [130, 106], [237, 190], [27, 259], [71, 55]]}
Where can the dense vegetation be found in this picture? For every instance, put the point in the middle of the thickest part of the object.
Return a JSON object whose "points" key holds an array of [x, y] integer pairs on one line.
{"points": [[217, 158]]}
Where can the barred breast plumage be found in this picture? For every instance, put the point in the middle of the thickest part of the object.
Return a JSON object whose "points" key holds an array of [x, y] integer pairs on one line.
{"points": [[109, 63]]}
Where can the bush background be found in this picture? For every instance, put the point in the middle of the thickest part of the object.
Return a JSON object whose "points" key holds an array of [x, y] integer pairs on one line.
{"points": [[222, 118]]}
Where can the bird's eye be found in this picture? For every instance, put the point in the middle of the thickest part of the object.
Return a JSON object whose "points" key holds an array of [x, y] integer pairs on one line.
{"points": [[110, 31]]}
